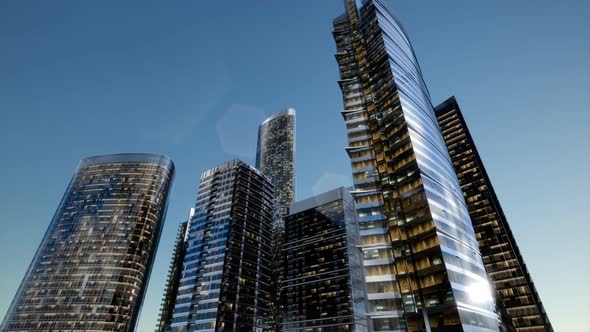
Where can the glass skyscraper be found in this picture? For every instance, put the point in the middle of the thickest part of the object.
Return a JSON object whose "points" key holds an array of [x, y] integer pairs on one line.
{"points": [[91, 269], [324, 287], [424, 271], [275, 156], [225, 281], [516, 295]]}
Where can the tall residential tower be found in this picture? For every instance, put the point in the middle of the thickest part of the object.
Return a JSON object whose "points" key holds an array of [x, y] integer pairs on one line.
{"points": [[91, 269], [225, 281], [516, 295], [275, 156], [424, 271]]}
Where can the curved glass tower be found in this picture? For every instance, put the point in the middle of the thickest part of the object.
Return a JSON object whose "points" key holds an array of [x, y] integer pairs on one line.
{"points": [[275, 156], [424, 271], [91, 269]]}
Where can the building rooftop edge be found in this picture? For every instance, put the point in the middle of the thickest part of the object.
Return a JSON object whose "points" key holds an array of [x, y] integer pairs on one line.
{"points": [[320, 199], [128, 158], [285, 112], [448, 103], [232, 163]]}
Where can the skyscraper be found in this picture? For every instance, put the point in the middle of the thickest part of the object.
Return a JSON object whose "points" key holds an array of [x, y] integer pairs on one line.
{"points": [[423, 267], [324, 287], [516, 295], [275, 156], [91, 269], [225, 280], [173, 281]]}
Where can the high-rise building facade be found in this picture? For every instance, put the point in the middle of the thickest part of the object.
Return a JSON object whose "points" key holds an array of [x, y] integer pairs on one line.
{"points": [[91, 269], [424, 271], [275, 156], [516, 295], [173, 281], [225, 281], [324, 288]]}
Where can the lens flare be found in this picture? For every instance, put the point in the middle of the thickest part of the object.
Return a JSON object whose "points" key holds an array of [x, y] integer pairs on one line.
{"points": [[479, 292]]}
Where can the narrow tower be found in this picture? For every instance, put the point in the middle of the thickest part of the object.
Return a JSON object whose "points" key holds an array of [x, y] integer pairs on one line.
{"points": [[516, 295], [275, 157], [173, 281], [424, 271], [91, 269], [225, 281]]}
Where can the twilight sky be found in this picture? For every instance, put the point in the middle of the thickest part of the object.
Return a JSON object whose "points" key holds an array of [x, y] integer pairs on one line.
{"points": [[193, 79]]}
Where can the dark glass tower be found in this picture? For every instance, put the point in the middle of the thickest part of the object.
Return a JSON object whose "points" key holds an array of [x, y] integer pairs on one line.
{"points": [[424, 271], [275, 157], [225, 281], [173, 281], [324, 286], [91, 270], [516, 295]]}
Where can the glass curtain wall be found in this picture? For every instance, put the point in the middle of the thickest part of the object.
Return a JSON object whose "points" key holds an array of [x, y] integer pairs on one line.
{"points": [[225, 281], [423, 267], [92, 267]]}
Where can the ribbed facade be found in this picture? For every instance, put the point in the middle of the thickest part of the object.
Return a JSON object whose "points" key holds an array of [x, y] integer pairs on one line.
{"points": [[324, 288], [516, 295], [173, 281], [423, 267], [225, 280], [91, 269]]}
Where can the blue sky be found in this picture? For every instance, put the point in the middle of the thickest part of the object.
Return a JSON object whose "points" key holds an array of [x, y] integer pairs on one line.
{"points": [[192, 80]]}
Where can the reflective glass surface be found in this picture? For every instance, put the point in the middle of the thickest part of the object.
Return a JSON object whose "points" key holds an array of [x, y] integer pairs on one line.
{"points": [[92, 267], [324, 287], [225, 279], [275, 157], [407, 194]]}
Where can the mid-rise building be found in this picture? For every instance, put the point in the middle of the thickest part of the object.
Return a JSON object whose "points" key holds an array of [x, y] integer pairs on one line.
{"points": [[424, 271], [225, 281], [91, 270], [516, 295], [173, 281], [324, 287]]}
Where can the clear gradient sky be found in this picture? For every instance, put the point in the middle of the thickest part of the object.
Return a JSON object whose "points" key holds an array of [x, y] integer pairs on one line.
{"points": [[193, 79]]}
